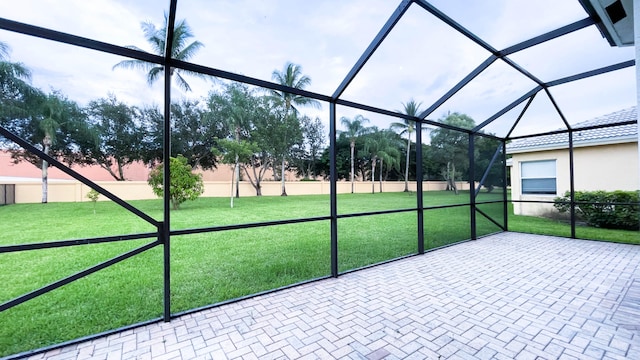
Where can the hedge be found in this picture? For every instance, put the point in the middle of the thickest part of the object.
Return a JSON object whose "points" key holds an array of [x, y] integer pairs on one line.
{"points": [[605, 209]]}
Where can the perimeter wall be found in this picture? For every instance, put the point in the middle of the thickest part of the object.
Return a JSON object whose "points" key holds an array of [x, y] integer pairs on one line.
{"points": [[75, 191]]}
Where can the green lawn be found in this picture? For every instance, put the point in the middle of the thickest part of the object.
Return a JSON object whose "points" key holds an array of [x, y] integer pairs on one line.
{"points": [[535, 225], [211, 267]]}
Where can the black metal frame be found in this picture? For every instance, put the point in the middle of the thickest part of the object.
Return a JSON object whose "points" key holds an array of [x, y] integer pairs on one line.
{"points": [[164, 233]]}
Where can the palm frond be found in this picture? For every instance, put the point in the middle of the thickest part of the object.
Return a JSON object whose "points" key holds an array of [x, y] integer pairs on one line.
{"points": [[188, 52], [192, 73], [155, 37], [301, 100], [154, 73], [134, 64], [4, 51], [181, 33], [14, 70], [181, 82]]}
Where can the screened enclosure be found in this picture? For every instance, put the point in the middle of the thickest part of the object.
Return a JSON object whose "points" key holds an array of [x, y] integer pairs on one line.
{"points": [[402, 97]]}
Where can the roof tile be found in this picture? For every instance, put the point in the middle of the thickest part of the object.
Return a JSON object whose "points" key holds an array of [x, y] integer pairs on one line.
{"points": [[608, 133]]}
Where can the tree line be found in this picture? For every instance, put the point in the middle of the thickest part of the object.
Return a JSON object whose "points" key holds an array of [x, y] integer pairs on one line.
{"points": [[253, 130], [446, 158]]}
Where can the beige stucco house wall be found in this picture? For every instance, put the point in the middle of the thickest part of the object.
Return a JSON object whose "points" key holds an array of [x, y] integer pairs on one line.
{"points": [[604, 167], [605, 157]]}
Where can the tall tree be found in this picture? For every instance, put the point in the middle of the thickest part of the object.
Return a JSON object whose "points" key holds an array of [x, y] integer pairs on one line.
{"points": [[342, 160], [452, 147], [411, 108], [235, 152], [19, 101], [194, 130], [266, 129], [291, 76], [380, 146], [306, 160], [54, 123], [234, 107], [182, 50], [355, 129], [118, 135]]}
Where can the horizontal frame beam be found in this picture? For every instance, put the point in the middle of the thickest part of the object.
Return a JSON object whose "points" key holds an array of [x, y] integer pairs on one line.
{"points": [[67, 170], [45, 289]]}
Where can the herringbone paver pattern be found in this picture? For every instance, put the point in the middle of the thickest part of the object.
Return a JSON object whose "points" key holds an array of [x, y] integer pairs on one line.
{"points": [[506, 296]]}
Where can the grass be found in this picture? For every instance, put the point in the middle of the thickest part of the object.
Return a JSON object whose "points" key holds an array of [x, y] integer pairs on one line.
{"points": [[542, 226], [211, 267]]}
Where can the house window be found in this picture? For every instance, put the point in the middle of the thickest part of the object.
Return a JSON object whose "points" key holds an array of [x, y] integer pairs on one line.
{"points": [[538, 177]]}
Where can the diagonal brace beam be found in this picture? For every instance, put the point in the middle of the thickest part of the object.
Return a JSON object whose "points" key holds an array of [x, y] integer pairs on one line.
{"points": [[507, 108], [386, 29], [488, 169], [27, 146], [43, 290]]}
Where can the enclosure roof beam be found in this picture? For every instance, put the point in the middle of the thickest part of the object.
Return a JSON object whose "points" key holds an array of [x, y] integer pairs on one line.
{"points": [[558, 110], [507, 108], [524, 110], [555, 132], [567, 29], [586, 74], [65, 38], [398, 115], [507, 51], [473, 37], [246, 79], [382, 34], [452, 23], [485, 64], [545, 86]]}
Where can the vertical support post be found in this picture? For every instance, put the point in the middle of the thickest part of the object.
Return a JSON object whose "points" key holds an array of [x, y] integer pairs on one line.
{"points": [[419, 192], [166, 197], [333, 198], [166, 155], [572, 186], [636, 29], [505, 195], [472, 193], [166, 160]]}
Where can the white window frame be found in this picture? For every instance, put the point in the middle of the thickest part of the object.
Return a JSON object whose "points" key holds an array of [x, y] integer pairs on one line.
{"points": [[544, 170]]}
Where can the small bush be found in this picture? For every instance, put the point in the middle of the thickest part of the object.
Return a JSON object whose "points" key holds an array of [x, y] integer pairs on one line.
{"points": [[604, 209], [184, 184], [93, 195]]}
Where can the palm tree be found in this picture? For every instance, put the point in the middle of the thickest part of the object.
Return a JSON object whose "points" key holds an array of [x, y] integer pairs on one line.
{"points": [[15, 78], [291, 76], [49, 126], [355, 128], [380, 146], [390, 153], [4, 51], [180, 51], [239, 97], [411, 108]]}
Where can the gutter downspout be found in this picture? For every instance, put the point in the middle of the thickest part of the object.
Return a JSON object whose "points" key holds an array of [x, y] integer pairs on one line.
{"points": [[636, 37]]}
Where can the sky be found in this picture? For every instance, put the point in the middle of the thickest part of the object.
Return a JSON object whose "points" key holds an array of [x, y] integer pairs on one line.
{"points": [[421, 59]]}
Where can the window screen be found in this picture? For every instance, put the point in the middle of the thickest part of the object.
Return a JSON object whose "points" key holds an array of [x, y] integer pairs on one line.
{"points": [[538, 177]]}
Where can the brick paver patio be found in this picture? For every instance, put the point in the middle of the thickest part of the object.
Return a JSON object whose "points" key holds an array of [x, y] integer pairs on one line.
{"points": [[506, 296]]}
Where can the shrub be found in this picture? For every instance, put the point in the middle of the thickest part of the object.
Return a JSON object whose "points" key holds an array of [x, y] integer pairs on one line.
{"points": [[93, 195], [605, 209], [184, 184]]}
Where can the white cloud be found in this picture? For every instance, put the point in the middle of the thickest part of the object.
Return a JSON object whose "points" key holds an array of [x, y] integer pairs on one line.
{"points": [[422, 58]]}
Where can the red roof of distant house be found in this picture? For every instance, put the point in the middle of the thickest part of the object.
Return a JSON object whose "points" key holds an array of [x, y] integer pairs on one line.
{"points": [[23, 169], [134, 172]]}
